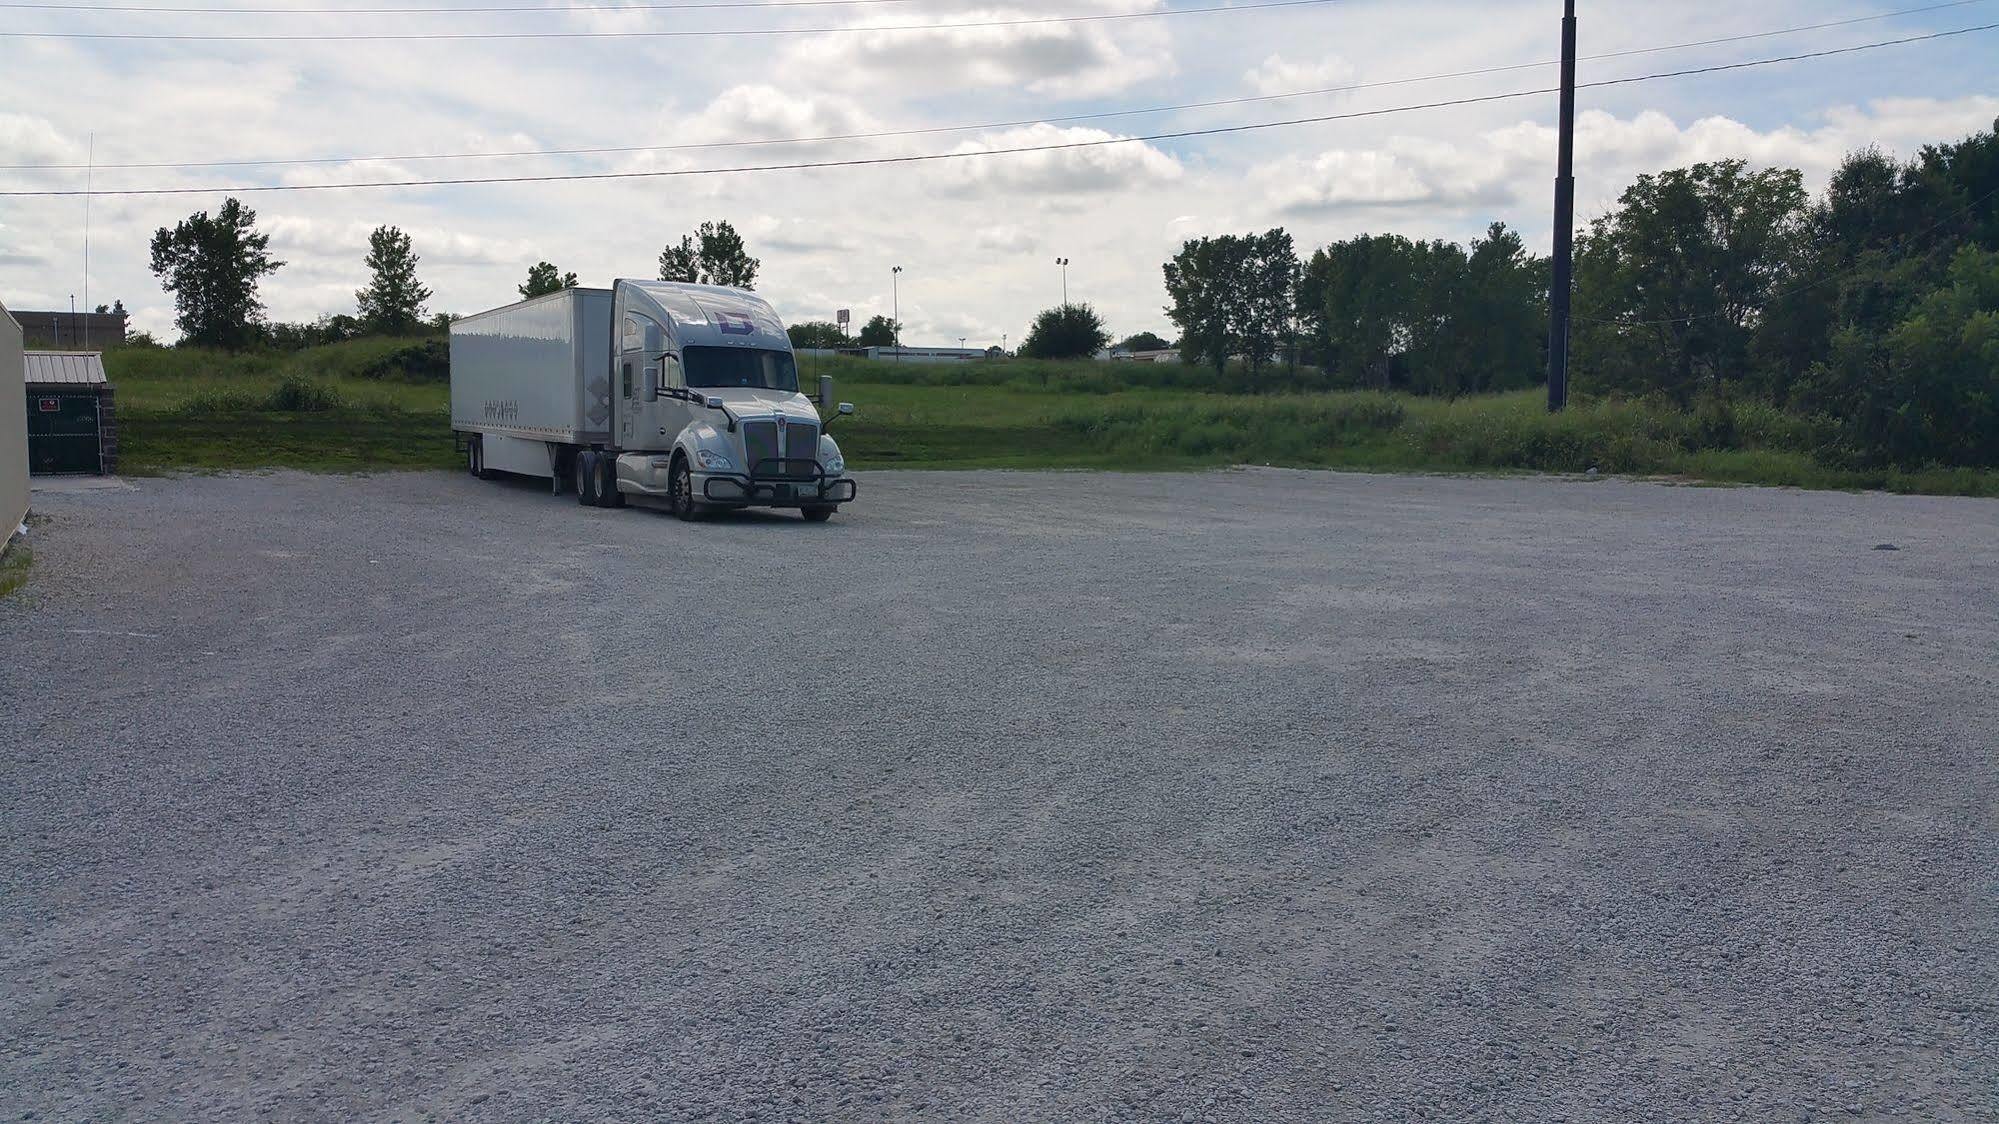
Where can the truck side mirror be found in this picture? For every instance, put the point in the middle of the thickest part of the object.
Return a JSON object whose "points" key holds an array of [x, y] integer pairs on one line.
{"points": [[652, 384], [655, 343], [846, 408]]}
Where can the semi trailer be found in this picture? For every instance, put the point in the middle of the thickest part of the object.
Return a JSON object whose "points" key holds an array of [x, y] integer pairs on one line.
{"points": [[670, 394]]}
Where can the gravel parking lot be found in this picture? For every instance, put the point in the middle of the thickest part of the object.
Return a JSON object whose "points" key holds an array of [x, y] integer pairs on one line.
{"points": [[1251, 795]]}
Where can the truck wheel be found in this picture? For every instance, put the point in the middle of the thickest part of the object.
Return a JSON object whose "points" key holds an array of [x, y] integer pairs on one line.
{"points": [[586, 478], [680, 490], [608, 494], [819, 514], [475, 459]]}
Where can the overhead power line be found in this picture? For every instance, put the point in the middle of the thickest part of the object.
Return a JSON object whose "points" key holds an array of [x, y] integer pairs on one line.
{"points": [[979, 126], [679, 33], [1185, 134]]}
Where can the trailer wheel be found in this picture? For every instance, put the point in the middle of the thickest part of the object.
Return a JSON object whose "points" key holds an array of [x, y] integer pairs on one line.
{"points": [[586, 478], [608, 494], [475, 458], [680, 489], [819, 514]]}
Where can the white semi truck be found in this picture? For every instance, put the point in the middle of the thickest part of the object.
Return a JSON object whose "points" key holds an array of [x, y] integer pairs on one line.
{"points": [[685, 396]]}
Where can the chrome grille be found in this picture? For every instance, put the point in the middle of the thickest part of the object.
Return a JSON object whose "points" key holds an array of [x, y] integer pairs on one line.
{"points": [[801, 441], [759, 442]]}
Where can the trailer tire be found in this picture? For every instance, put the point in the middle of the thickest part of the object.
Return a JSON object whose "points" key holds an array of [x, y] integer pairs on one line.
{"points": [[680, 489], [819, 513], [475, 458], [586, 478], [608, 494]]}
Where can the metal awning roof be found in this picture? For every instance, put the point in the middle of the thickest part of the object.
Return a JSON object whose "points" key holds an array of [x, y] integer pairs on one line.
{"points": [[71, 368]]}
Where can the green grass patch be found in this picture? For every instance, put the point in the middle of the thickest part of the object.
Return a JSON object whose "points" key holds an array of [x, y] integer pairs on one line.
{"points": [[371, 404], [344, 407], [15, 562]]}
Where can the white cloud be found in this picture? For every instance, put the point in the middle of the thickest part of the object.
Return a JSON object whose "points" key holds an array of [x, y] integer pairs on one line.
{"points": [[296, 236], [1005, 239], [1099, 167], [1071, 60], [1278, 75], [33, 140], [1503, 167]]}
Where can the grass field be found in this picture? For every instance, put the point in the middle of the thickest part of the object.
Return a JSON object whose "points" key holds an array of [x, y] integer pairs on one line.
{"points": [[368, 404]]}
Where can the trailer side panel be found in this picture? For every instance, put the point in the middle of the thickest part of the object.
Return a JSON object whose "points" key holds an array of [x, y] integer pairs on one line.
{"points": [[538, 370]]}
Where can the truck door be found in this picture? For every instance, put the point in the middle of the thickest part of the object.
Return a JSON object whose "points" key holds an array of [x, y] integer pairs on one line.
{"points": [[644, 421]]}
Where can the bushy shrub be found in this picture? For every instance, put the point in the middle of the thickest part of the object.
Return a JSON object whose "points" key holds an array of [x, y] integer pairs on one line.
{"points": [[299, 394], [425, 360], [293, 393]]}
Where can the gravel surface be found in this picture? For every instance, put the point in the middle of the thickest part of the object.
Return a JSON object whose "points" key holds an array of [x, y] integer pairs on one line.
{"points": [[1252, 795]]}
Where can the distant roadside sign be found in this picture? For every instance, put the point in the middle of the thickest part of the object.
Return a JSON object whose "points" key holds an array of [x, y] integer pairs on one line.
{"points": [[844, 317]]}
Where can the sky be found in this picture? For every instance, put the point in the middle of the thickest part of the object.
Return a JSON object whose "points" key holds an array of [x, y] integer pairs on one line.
{"points": [[977, 237]]}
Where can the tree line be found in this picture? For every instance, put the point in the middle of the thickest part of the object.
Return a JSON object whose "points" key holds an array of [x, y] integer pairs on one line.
{"points": [[212, 264], [1872, 309]]}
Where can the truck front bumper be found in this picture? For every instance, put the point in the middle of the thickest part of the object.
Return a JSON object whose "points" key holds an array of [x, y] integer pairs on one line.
{"points": [[738, 490]]}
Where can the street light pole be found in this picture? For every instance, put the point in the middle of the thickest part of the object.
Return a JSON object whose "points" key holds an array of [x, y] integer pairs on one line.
{"points": [[1563, 284], [895, 307], [1064, 263]]}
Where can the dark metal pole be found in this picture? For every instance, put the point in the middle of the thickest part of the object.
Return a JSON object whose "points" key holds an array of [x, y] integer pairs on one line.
{"points": [[1565, 221]]}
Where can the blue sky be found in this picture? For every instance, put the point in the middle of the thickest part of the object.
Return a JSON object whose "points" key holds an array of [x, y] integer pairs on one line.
{"points": [[977, 238]]}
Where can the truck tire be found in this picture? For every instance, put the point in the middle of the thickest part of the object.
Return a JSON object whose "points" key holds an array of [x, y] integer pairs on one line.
{"points": [[608, 494], [680, 490], [586, 478], [819, 514], [475, 459]]}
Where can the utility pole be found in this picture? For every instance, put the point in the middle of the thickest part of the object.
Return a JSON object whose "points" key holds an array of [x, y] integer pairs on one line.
{"points": [[895, 307], [1565, 221]]}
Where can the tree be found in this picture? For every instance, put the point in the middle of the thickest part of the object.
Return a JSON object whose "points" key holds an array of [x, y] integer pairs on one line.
{"points": [[681, 262], [817, 333], [1263, 304], [1353, 298], [1200, 281], [713, 255], [1233, 295], [1928, 391], [392, 303], [1143, 341], [1670, 284], [211, 266], [1070, 331], [879, 331], [543, 280], [1500, 329]]}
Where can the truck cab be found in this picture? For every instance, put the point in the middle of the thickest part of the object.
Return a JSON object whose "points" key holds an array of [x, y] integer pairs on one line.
{"points": [[706, 407]]}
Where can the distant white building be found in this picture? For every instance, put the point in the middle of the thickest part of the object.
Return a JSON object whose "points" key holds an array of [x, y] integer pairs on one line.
{"points": [[918, 354], [1163, 355]]}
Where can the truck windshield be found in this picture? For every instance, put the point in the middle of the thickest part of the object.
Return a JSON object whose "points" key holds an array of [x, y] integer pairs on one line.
{"points": [[739, 366]]}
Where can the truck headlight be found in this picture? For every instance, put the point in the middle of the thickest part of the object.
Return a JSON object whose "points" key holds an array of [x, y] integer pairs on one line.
{"points": [[713, 461], [836, 466]]}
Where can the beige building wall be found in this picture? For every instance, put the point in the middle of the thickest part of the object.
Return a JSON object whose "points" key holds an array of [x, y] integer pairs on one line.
{"points": [[13, 429]]}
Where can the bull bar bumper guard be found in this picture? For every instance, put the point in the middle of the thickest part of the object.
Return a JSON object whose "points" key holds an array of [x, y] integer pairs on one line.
{"points": [[779, 480]]}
